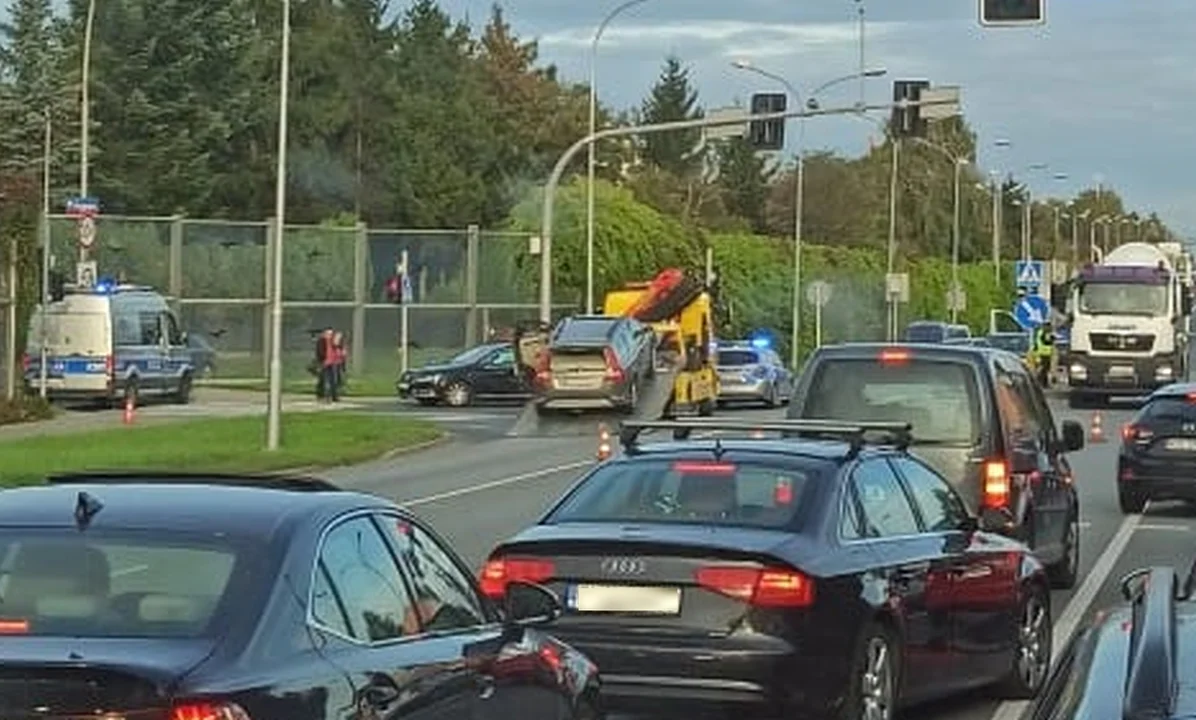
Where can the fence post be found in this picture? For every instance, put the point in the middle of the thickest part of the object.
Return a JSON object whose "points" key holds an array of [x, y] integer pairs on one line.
{"points": [[10, 325], [175, 267], [472, 239], [272, 236], [361, 290]]}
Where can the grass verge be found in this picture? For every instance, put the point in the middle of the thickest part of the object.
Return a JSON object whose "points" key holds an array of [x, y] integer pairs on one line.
{"points": [[24, 409], [367, 386], [321, 439]]}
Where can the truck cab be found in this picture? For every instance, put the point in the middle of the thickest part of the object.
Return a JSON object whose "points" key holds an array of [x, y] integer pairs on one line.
{"points": [[1128, 322]]}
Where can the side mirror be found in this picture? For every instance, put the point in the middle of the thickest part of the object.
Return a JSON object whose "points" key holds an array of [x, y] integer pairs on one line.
{"points": [[1073, 436], [995, 520], [530, 604]]}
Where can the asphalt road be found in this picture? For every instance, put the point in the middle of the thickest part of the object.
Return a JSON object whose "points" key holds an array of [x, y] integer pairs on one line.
{"points": [[477, 490]]}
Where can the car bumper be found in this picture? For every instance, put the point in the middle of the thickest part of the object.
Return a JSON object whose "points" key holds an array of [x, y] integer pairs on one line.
{"points": [[1158, 479], [738, 390], [761, 676], [600, 398], [419, 390], [1111, 375]]}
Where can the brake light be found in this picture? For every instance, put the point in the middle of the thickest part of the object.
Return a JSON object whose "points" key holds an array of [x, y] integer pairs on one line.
{"points": [[690, 467], [109, 364], [996, 484], [1128, 431], [14, 627], [208, 711], [893, 356], [614, 371], [498, 572], [762, 587], [544, 368], [1135, 433], [782, 494], [1191, 397]]}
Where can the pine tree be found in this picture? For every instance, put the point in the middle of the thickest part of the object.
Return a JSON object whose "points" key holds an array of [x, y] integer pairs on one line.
{"points": [[672, 98], [28, 84]]}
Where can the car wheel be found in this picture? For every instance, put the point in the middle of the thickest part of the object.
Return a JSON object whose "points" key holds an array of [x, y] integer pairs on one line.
{"points": [[1131, 501], [874, 679], [1032, 647], [182, 395], [1064, 573], [458, 394], [770, 400]]}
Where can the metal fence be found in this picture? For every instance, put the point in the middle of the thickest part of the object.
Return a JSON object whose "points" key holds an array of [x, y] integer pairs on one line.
{"points": [[216, 273]]}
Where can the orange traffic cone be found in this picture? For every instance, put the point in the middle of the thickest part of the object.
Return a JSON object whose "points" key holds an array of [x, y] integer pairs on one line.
{"points": [[604, 450], [1097, 431], [130, 410]]}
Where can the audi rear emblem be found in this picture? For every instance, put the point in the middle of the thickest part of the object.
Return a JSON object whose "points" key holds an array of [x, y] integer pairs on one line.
{"points": [[623, 566]]}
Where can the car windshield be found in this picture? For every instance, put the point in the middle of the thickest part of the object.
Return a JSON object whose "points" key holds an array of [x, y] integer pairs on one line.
{"points": [[925, 333], [938, 398], [1123, 299], [587, 331], [101, 585], [702, 491], [472, 355], [735, 358]]}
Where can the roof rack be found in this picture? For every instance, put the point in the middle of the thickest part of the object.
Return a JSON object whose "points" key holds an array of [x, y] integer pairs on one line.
{"points": [[270, 481], [1152, 683], [855, 433]]}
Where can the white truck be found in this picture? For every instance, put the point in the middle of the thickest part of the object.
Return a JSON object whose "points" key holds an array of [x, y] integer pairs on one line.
{"points": [[1128, 319]]}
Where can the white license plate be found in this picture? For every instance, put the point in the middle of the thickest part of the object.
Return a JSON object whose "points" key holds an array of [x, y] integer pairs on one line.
{"points": [[1182, 444], [627, 599], [1121, 371]]}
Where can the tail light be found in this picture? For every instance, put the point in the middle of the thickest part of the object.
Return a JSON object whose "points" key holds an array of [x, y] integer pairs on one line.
{"points": [[894, 356], [110, 364], [997, 487], [544, 368], [1135, 433], [762, 587], [614, 370], [703, 467], [208, 711], [498, 572], [26, 362]]}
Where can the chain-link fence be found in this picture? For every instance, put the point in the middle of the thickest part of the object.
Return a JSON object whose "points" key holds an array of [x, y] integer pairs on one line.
{"points": [[465, 284]]}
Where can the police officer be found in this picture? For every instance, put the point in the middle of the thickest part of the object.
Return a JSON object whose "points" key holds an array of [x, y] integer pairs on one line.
{"points": [[1043, 351]]}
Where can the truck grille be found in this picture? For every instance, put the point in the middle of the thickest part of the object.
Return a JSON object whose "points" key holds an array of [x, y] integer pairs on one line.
{"points": [[1121, 342]]}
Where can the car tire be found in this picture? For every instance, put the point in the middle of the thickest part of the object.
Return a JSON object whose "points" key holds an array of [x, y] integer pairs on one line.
{"points": [[458, 394], [1131, 501], [182, 395], [1063, 574], [1031, 662], [875, 676], [772, 399]]}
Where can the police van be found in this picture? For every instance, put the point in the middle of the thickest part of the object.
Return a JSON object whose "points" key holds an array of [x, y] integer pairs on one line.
{"points": [[111, 343]]}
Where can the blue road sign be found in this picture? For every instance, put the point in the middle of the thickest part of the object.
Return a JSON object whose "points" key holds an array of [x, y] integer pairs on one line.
{"points": [[1031, 311], [83, 206], [1029, 273]]}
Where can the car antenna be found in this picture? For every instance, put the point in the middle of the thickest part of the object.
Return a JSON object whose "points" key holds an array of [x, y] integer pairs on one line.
{"points": [[86, 508]]}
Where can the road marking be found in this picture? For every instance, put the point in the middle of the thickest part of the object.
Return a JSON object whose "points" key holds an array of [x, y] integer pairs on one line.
{"points": [[129, 570], [501, 482], [1077, 606]]}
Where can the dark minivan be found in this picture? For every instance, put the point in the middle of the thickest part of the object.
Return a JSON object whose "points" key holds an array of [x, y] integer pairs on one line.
{"points": [[978, 418]]}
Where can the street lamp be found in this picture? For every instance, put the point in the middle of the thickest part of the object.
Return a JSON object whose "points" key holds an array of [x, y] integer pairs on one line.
{"points": [[799, 181], [85, 112], [958, 163], [593, 149], [274, 411]]}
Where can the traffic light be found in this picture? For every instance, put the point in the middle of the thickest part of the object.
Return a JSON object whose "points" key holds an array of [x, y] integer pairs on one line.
{"points": [[768, 135], [1012, 12], [908, 122]]}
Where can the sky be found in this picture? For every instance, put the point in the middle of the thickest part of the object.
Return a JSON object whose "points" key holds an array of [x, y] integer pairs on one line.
{"points": [[1105, 91]]}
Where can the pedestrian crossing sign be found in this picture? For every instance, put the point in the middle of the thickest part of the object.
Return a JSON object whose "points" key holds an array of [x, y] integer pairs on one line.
{"points": [[1029, 273]]}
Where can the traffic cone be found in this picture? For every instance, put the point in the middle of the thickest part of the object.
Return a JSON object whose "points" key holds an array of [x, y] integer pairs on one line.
{"points": [[130, 410], [604, 450], [1097, 431]]}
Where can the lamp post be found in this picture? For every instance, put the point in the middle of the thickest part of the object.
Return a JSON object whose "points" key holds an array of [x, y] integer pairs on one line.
{"points": [[958, 163], [274, 411], [85, 112], [592, 160], [799, 180]]}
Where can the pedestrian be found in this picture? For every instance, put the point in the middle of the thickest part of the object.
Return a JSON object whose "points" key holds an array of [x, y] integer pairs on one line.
{"points": [[325, 366], [1043, 348], [340, 357]]}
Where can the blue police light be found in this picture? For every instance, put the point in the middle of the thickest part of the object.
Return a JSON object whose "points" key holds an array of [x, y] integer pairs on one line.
{"points": [[104, 286], [761, 343]]}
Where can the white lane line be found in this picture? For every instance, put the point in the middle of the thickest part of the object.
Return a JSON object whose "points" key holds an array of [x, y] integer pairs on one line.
{"points": [[129, 570], [501, 482], [1164, 526], [1077, 606]]}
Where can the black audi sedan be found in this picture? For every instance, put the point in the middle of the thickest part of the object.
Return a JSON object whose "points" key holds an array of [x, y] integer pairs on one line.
{"points": [[173, 597], [485, 372], [829, 576]]}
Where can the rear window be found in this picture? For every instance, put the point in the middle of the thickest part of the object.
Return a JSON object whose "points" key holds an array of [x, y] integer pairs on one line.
{"points": [[703, 491], [1168, 410], [732, 358], [938, 398], [111, 586], [925, 333], [586, 332], [1019, 344]]}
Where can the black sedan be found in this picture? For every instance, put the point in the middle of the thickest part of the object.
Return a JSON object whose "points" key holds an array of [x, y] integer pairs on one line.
{"points": [[482, 372], [1134, 661], [1157, 458], [238, 598], [823, 577]]}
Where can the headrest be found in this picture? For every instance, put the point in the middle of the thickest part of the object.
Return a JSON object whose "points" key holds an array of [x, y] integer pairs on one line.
{"points": [[67, 607], [160, 608]]}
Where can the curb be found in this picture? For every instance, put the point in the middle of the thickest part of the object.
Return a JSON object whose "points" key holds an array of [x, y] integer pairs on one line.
{"points": [[388, 455]]}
